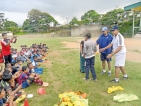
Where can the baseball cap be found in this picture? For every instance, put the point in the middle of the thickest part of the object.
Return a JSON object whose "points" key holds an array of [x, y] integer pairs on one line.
{"points": [[104, 29], [114, 28]]}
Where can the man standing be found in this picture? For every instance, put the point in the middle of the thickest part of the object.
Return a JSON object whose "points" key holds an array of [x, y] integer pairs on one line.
{"points": [[88, 53], [119, 50], [6, 48], [82, 59], [104, 40]]}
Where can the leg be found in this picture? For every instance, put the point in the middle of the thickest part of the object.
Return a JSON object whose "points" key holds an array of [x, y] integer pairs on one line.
{"points": [[6, 60], [9, 58], [123, 72], [104, 65], [87, 66], [117, 71], [92, 62], [102, 57], [109, 65]]}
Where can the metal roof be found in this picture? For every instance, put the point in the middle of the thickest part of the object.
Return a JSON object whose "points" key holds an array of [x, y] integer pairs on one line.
{"points": [[135, 7]]}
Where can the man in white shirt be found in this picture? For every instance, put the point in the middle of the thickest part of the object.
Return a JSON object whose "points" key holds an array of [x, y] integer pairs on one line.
{"points": [[119, 50]]}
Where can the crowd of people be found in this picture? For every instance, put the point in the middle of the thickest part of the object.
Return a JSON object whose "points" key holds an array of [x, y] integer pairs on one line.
{"points": [[108, 47], [19, 69]]}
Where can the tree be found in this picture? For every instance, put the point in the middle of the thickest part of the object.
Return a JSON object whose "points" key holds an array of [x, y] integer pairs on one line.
{"points": [[110, 17], [2, 21], [90, 16], [75, 22], [37, 20], [9, 24]]}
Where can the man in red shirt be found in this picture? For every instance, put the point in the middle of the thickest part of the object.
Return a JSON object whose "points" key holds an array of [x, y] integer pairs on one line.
{"points": [[6, 52]]}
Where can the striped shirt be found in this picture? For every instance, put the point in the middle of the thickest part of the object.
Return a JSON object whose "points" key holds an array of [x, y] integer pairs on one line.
{"points": [[117, 42]]}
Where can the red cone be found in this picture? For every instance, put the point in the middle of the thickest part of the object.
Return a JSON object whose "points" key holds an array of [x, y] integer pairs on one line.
{"points": [[26, 102]]}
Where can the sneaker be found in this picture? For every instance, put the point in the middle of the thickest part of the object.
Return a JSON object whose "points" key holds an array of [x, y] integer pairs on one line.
{"points": [[95, 80], [103, 72], [123, 78], [114, 81], [109, 74], [85, 79]]}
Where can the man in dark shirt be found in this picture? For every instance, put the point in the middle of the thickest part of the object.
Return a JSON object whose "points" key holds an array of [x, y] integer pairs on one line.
{"points": [[82, 60]]}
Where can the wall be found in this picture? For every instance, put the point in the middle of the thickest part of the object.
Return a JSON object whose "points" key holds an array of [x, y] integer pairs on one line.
{"points": [[95, 30]]}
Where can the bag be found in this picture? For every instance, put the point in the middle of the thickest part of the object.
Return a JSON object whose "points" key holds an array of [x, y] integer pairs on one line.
{"points": [[6, 75]]}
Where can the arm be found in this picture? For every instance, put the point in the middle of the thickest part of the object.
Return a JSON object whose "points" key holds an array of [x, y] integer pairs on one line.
{"points": [[81, 49], [84, 51], [117, 50], [107, 47]]}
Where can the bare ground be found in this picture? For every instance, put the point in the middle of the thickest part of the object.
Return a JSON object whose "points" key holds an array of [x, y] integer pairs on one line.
{"points": [[133, 46]]}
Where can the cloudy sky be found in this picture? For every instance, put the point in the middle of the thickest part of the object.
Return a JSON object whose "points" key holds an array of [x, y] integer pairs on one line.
{"points": [[17, 10]]}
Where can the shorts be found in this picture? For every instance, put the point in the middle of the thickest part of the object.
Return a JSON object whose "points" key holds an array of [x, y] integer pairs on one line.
{"points": [[103, 57], [25, 84], [120, 59], [6, 85]]}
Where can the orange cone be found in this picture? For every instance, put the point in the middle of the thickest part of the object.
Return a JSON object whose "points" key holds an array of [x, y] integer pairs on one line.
{"points": [[26, 102]]}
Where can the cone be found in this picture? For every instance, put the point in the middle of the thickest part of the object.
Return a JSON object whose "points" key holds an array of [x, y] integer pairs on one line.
{"points": [[26, 102]]}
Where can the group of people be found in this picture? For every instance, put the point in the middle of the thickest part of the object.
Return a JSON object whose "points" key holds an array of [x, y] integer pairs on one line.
{"points": [[109, 45], [19, 69]]}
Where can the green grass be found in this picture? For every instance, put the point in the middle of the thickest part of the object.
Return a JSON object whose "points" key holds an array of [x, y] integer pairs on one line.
{"points": [[62, 72]]}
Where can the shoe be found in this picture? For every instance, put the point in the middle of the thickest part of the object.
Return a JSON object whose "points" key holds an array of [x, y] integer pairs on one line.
{"points": [[124, 78], [85, 79], [114, 81], [95, 80], [103, 72], [109, 74]]}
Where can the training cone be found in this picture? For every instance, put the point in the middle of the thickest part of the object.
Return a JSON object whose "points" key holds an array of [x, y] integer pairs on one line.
{"points": [[26, 102], [41, 91]]}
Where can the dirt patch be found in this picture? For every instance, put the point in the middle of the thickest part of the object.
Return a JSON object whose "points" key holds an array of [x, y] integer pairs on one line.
{"points": [[55, 53], [71, 45], [133, 49]]}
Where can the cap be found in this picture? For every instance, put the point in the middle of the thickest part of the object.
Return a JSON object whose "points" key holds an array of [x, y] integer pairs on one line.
{"points": [[104, 29], [114, 28]]}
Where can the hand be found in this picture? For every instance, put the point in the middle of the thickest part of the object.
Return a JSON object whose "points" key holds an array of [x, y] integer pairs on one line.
{"points": [[109, 56], [101, 50], [82, 55], [14, 36]]}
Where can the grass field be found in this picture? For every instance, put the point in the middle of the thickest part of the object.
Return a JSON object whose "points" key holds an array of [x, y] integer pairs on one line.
{"points": [[62, 72]]}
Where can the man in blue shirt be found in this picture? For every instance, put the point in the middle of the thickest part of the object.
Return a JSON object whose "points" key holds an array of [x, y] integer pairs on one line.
{"points": [[104, 40]]}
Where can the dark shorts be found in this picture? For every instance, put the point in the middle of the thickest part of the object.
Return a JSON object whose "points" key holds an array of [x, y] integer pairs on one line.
{"points": [[25, 84], [103, 57]]}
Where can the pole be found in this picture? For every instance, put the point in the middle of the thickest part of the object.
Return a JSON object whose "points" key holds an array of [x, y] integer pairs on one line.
{"points": [[133, 24], [140, 22]]}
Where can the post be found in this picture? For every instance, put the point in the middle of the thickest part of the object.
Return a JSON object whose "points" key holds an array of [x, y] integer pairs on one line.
{"points": [[140, 22], [133, 24]]}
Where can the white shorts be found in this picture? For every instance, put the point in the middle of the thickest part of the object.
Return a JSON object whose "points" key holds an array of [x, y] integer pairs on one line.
{"points": [[120, 59]]}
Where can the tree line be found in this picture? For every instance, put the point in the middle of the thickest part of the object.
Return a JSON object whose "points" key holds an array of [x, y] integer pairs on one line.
{"points": [[38, 21]]}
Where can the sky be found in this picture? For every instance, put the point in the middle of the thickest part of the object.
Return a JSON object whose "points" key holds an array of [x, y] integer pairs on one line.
{"points": [[17, 10]]}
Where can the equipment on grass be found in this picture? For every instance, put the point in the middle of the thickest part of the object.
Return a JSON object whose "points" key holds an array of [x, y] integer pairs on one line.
{"points": [[26, 102], [41, 91], [114, 88], [21, 98]]}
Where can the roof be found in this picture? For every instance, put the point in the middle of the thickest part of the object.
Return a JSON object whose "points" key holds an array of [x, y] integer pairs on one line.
{"points": [[135, 7]]}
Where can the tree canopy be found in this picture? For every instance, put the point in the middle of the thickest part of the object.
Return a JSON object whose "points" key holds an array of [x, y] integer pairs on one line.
{"points": [[38, 20], [90, 16], [112, 16]]}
